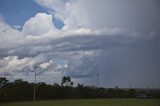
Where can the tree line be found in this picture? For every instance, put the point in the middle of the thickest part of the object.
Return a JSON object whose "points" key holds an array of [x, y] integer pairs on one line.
{"points": [[20, 90]]}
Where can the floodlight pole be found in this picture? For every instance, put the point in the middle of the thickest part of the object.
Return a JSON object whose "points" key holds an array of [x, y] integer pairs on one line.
{"points": [[34, 85], [34, 70], [97, 79]]}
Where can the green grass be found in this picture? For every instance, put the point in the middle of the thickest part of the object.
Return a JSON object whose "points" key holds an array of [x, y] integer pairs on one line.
{"points": [[89, 102]]}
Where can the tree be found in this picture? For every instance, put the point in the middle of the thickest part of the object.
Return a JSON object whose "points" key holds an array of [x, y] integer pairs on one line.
{"points": [[66, 81], [3, 81]]}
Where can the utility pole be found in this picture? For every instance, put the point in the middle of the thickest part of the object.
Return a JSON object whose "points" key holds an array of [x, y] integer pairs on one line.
{"points": [[97, 79], [34, 70]]}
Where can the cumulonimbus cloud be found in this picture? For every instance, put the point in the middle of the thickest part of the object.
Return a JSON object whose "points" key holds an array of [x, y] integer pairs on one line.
{"points": [[79, 49]]}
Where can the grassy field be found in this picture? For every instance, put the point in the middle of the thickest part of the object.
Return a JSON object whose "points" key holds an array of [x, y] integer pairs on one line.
{"points": [[90, 102]]}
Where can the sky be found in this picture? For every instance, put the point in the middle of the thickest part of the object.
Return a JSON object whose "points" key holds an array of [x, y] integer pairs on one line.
{"points": [[119, 39]]}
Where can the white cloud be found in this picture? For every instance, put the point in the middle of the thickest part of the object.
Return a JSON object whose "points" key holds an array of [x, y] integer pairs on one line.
{"points": [[11, 64], [77, 15], [17, 26], [45, 65], [9, 36], [40, 24], [95, 14], [70, 12]]}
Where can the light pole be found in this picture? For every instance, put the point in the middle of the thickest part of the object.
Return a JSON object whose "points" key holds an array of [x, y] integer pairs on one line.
{"points": [[34, 70], [97, 79]]}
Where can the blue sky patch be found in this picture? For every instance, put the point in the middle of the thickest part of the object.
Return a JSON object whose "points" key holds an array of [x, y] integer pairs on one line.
{"points": [[17, 12]]}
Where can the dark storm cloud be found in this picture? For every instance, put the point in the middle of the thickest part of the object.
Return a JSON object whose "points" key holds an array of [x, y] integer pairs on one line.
{"points": [[139, 15], [135, 65]]}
